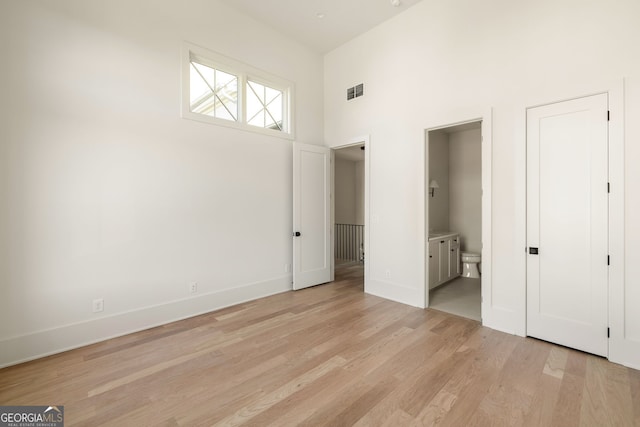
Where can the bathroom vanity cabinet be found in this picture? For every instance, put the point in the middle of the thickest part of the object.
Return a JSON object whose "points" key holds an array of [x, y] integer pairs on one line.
{"points": [[444, 258]]}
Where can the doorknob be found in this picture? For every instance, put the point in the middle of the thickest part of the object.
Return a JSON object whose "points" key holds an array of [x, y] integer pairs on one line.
{"points": [[297, 234]]}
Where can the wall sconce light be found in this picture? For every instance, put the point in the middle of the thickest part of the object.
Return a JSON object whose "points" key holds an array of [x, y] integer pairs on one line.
{"points": [[432, 187]]}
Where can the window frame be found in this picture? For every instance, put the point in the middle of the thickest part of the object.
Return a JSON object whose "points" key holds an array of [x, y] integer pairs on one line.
{"points": [[244, 73]]}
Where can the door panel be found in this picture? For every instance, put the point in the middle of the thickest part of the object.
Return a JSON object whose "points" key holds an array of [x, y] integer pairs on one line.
{"points": [[311, 215], [434, 263], [567, 204], [454, 261], [443, 260]]}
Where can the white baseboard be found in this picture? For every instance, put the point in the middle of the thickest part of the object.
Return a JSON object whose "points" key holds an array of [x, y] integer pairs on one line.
{"points": [[56, 340], [624, 350], [503, 320], [394, 292]]}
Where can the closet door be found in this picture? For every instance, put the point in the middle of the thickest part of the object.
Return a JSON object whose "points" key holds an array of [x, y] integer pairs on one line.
{"points": [[567, 234]]}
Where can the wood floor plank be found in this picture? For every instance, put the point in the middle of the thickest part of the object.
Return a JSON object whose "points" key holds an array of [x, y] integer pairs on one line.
{"points": [[354, 412], [385, 411], [474, 377], [617, 391], [567, 410], [634, 382], [328, 355], [303, 403], [255, 408], [543, 403], [505, 404], [437, 409], [556, 362], [398, 418]]}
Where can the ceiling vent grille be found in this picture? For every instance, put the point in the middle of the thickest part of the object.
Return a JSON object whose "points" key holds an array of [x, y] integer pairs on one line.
{"points": [[355, 92]]}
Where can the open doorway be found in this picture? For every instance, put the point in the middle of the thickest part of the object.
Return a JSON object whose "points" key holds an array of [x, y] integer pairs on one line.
{"points": [[350, 187], [454, 182], [349, 205]]}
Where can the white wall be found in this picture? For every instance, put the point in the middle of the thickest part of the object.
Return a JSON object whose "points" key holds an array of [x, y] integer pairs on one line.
{"points": [[465, 188], [108, 193], [439, 171], [442, 60], [345, 192]]}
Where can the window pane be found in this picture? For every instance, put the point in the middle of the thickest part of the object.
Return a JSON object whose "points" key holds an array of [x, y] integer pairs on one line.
{"points": [[213, 92], [227, 91], [271, 94], [223, 78], [197, 85], [264, 106], [255, 112], [275, 108]]}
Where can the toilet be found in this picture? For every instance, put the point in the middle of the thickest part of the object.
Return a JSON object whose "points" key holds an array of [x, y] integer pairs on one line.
{"points": [[470, 263]]}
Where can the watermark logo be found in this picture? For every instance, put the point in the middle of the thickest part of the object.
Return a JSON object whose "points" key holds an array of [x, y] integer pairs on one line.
{"points": [[31, 416]]}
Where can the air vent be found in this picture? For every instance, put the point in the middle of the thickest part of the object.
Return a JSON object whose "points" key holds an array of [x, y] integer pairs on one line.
{"points": [[356, 91]]}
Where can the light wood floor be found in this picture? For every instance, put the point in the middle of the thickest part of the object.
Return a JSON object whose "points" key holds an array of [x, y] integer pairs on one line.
{"points": [[328, 355]]}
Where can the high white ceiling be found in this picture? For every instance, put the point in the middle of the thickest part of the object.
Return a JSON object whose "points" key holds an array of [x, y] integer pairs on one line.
{"points": [[343, 19]]}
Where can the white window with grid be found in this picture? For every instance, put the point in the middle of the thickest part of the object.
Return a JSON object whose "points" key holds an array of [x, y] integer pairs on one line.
{"points": [[222, 91]]}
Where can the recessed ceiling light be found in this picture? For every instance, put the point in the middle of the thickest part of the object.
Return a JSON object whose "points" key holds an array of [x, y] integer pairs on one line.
{"points": [[319, 15], [395, 3]]}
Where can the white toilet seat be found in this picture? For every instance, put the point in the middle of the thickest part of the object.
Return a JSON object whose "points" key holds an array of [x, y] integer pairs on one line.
{"points": [[470, 257]]}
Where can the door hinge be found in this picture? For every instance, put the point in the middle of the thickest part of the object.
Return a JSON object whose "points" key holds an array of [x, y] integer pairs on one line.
{"points": [[608, 187], [608, 115], [608, 333], [608, 260]]}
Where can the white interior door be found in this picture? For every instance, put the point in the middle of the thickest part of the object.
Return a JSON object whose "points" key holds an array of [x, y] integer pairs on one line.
{"points": [[311, 215], [567, 223]]}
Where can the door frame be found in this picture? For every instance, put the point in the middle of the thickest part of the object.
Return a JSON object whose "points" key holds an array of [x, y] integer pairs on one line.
{"points": [[358, 140], [622, 349], [484, 116]]}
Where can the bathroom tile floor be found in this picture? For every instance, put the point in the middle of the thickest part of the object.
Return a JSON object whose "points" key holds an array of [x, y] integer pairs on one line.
{"points": [[460, 296]]}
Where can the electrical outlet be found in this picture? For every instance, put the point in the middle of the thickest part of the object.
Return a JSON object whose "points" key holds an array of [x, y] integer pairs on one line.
{"points": [[387, 274], [98, 305], [193, 287]]}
